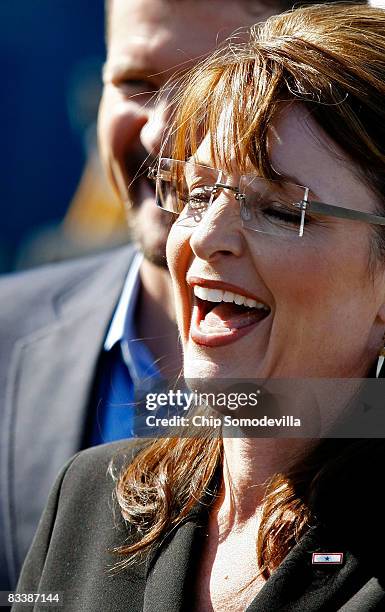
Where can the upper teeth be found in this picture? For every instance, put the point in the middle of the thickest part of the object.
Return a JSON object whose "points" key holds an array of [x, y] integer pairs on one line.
{"points": [[217, 295]]}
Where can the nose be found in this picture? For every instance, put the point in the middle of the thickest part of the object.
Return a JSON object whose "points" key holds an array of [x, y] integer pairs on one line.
{"points": [[219, 232], [130, 132], [153, 132], [119, 127]]}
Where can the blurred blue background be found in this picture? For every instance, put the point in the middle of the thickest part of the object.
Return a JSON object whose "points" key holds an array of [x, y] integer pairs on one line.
{"points": [[51, 54]]}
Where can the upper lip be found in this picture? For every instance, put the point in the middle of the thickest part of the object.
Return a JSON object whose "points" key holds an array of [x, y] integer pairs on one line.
{"points": [[213, 284]]}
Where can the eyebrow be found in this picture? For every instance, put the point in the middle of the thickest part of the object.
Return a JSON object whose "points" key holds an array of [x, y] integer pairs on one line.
{"points": [[288, 178], [282, 177], [291, 178]]}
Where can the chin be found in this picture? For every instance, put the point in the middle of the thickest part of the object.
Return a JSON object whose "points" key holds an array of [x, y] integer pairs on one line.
{"points": [[153, 250], [202, 371], [200, 366]]}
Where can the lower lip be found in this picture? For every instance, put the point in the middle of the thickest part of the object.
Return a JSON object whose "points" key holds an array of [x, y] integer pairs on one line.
{"points": [[213, 340]]}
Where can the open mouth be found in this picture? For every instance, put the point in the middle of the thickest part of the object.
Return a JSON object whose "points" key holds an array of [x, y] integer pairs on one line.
{"points": [[221, 316], [141, 186], [137, 180]]}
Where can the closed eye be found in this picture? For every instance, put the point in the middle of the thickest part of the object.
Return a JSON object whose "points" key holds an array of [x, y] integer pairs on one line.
{"points": [[134, 87], [280, 212], [199, 197]]}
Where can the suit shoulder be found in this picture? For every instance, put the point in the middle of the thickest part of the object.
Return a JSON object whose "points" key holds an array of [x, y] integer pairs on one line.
{"points": [[90, 467], [99, 459], [32, 299], [54, 275], [85, 487], [80, 529]]}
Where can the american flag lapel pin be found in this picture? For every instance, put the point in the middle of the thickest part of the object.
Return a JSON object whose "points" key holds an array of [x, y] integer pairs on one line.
{"points": [[327, 558]]}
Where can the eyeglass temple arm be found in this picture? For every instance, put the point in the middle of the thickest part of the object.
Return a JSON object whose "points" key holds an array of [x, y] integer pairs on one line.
{"points": [[328, 209], [344, 213]]}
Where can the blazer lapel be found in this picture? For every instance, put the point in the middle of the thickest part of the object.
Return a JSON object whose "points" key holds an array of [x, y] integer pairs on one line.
{"points": [[299, 585], [172, 568], [48, 391]]}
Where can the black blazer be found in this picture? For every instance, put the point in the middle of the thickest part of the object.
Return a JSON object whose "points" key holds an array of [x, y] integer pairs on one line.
{"points": [[53, 322], [81, 526]]}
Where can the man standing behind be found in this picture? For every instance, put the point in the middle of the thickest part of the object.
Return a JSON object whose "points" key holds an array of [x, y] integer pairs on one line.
{"points": [[76, 337]]}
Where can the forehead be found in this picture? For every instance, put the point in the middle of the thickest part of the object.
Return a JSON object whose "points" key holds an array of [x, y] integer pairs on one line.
{"points": [[157, 35], [299, 148], [302, 153]]}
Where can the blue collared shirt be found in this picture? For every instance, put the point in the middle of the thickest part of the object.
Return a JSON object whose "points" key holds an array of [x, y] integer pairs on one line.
{"points": [[126, 367]]}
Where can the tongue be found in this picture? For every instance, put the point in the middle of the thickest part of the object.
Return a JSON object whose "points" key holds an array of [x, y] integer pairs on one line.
{"points": [[228, 316]]}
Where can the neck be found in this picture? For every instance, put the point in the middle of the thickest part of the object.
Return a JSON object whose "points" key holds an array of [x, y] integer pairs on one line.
{"points": [[156, 318], [248, 466]]}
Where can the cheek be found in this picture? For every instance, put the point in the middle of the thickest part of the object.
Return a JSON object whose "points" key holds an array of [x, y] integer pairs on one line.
{"points": [[179, 255], [320, 278], [178, 251], [105, 122]]}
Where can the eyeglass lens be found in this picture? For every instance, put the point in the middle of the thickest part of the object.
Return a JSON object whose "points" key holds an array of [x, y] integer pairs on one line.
{"points": [[189, 189]]}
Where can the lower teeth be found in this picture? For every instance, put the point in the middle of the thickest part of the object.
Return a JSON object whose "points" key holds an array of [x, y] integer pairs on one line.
{"points": [[209, 329]]}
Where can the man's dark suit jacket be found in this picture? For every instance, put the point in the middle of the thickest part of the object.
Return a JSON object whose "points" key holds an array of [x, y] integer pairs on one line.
{"points": [[53, 322], [72, 553]]}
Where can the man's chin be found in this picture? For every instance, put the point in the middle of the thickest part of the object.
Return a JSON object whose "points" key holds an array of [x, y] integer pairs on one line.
{"points": [[155, 256], [150, 233]]}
